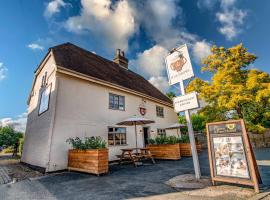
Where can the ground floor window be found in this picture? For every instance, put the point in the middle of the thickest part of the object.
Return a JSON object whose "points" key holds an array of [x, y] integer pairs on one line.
{"points": [[117, 136], [161, 132]]}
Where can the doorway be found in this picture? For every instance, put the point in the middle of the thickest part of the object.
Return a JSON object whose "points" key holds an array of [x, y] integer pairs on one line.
{"points": [[145, 135]]}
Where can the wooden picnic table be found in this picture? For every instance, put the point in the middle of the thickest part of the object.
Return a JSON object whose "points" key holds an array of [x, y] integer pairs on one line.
{"points": [[128, 155]]}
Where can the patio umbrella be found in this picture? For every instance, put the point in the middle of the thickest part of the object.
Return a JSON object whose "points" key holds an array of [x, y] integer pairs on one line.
{"points": [[176, 126], [134, 121]]}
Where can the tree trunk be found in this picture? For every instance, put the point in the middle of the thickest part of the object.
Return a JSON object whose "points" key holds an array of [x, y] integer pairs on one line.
{"points": [[239, 111]]}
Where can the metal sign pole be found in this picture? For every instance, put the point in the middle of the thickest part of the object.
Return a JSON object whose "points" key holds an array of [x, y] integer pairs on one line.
{"points": [[191, 138]]}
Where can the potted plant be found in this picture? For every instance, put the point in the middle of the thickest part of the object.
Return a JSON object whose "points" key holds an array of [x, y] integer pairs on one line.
{"points": [[185, 147], [89, 155], [164, 147]]}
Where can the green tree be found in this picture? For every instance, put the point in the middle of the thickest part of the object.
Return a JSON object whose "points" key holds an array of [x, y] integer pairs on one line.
{"points": [[198, 122], [171, 95], [10, 138], [234, 90]]}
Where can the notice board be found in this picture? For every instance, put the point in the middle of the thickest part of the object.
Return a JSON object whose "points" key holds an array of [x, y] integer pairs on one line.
{"points": [[230, 154]]}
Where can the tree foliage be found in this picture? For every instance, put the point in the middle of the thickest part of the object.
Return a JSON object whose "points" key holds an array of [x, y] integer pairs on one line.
{"points": [[171, 95], [198, 122], [9, 137], [234, 90]]}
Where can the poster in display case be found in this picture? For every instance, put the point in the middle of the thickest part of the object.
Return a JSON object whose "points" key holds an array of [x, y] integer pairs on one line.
{"points": [[230, 154]]}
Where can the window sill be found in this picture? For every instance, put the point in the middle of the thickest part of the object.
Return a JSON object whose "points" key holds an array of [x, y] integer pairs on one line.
{"points": [[116, 109], [118, 145]]}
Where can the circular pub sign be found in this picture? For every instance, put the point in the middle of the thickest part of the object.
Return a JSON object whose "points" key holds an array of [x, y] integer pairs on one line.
{"points": [[142, 109]]}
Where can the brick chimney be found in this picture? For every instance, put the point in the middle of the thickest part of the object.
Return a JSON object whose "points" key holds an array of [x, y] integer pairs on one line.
{"points": [[120, 58]]}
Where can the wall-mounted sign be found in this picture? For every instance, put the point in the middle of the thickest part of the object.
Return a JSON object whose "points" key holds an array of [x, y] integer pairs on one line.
{"points": [[142, 108], [230, 154], [44, 100], [179, 65], [185, 102]]}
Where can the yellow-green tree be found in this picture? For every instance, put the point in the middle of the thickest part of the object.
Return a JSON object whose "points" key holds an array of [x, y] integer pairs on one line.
{"points": [[234, 90]]}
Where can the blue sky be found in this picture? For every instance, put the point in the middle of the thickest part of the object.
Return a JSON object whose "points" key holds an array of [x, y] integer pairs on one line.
{"points": [[146, 30]]}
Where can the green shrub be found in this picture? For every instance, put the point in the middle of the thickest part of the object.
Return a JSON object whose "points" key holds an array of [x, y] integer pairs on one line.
{"points": [[183, 139], [163, 139], [88, 143]]}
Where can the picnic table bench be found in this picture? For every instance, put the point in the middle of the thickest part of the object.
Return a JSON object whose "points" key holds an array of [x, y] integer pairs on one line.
{"points": [[142, 154]]}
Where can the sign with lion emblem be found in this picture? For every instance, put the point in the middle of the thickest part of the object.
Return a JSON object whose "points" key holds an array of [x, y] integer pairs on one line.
{"points": [[179, 65]]}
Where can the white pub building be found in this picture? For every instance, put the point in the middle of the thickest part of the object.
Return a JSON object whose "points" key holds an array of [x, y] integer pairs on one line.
{"points": [[78, 93]]}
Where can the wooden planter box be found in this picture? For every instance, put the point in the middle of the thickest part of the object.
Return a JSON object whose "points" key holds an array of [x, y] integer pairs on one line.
{"points": [[94, 161], [185, 149], [165, 151]]}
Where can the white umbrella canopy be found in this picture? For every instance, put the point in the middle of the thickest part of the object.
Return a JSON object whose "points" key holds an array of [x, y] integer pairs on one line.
{"points": [[134, 121], [176, 126]]}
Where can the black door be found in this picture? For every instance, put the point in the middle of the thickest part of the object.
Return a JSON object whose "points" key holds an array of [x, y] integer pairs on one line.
{"points": [[145, 135]]}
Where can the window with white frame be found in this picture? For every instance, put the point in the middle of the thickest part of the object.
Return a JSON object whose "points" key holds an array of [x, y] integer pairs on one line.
{"points": [[116, 102], [117, 136], [161, 132], [44, 100], [160, 111]]}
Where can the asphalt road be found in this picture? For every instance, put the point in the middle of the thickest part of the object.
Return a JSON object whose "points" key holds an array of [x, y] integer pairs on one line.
{"points": [[123, 182]]}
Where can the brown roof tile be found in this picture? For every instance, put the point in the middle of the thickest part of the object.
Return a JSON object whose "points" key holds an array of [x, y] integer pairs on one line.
{"points": [[74, 58]]}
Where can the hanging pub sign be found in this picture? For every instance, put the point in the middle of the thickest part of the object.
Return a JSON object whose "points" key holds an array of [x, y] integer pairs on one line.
{"points": [[142, 108], [179, 66], [230, 154]]}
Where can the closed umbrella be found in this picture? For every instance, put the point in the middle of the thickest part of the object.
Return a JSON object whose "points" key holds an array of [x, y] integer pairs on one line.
{"points": [[134, 121]]}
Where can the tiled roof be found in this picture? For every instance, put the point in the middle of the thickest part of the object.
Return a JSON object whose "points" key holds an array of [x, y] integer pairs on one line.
{"points": [[74, 58]]}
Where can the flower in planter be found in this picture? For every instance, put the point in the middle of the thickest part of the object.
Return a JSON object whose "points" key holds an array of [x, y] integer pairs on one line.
{"points": [[87, 143]]}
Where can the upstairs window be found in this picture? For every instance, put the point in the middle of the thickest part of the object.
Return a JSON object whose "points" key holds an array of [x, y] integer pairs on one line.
{"points": [[160, 111], [161, 132], [116, 102], [44, 100], [117, 136]]}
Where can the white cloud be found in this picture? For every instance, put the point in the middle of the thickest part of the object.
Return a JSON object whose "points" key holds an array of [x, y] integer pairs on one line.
{"points": [[3, 71], [114, 23], [18, 123], [163, 22], [53, 7], [227, 3], [35, 46], [231, 21], [151, 61], [230, 17], [209, 4], [160, 82], [200, 50]]}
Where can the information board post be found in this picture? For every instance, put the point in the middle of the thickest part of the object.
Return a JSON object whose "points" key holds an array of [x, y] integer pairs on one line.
{"points": [[191, 138], [179, 68]]}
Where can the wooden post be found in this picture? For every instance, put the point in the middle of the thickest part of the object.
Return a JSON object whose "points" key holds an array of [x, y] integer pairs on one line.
{"points": [[191, 138]]}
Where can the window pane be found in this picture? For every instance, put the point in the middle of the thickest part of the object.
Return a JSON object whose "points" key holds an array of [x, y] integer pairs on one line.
{"points": [[121, 103], [110, 139], [116, 102], [123, 138], [160, 111], [110, 129], [117, 139], [111, 101], [121, 130]]}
